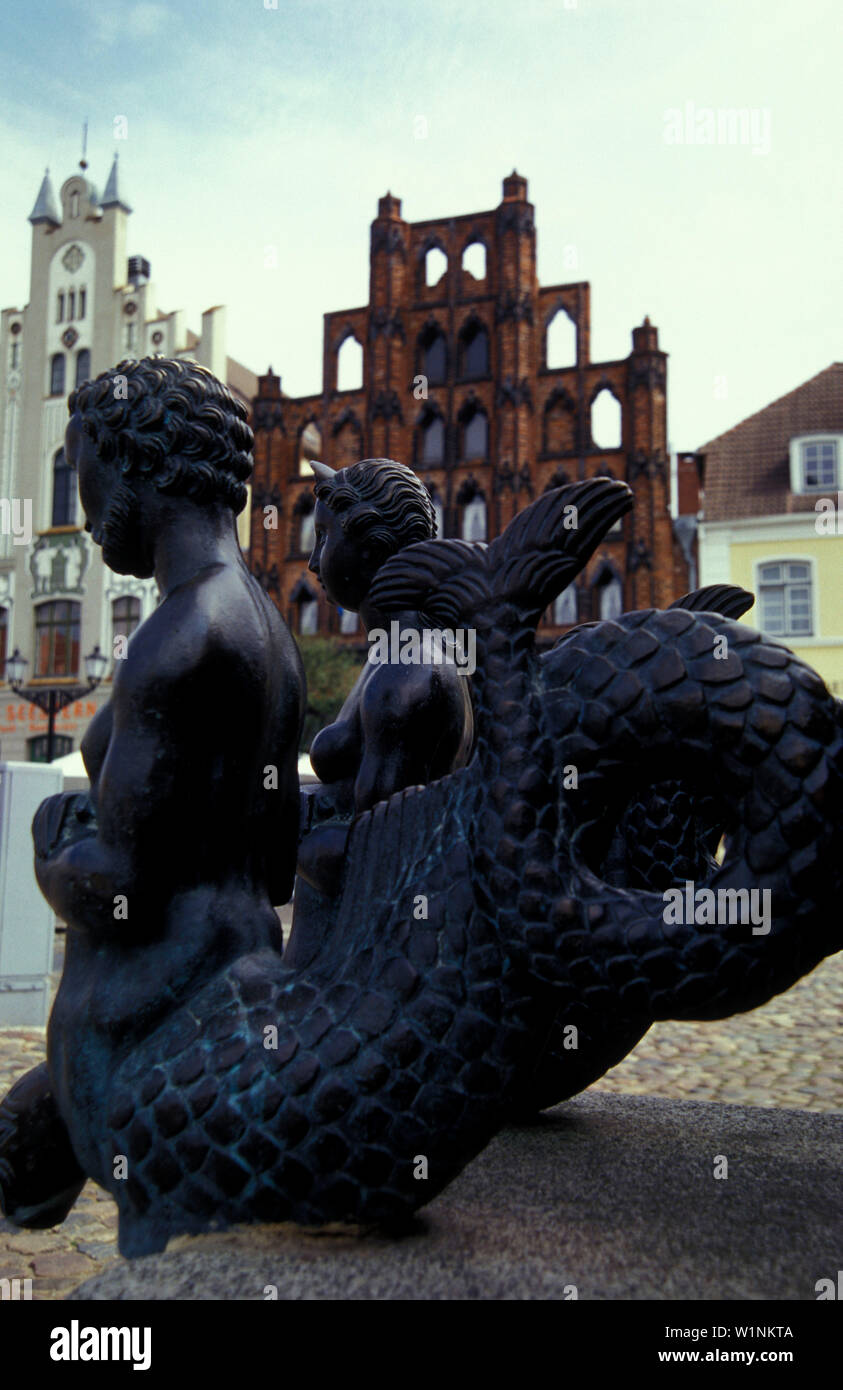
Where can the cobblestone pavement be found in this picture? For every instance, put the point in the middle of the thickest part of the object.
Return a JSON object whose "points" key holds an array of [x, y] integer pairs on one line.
{"points": [[786, 1055]]}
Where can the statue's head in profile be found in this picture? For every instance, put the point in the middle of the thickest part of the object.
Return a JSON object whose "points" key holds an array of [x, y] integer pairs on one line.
{"points": [[364, 514], [157, 427]]}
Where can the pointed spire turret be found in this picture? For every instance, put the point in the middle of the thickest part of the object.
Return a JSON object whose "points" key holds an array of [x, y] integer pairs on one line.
{"points": [[111, 197], [46, 208]]}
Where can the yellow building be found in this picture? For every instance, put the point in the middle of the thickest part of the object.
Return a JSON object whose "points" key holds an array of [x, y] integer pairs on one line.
{"points": [[772, 519]]}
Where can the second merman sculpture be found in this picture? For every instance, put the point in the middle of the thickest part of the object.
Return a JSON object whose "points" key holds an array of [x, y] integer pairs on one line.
{"points": [[402, 725]]}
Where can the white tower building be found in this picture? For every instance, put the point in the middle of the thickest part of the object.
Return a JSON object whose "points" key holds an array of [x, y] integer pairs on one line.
{"points": [[89, 306]]}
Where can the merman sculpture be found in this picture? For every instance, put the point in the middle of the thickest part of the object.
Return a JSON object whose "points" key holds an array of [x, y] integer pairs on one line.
{"points": [[402, 725], [203, 1081]]}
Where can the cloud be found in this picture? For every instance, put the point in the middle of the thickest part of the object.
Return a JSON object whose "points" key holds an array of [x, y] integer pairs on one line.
{"points": [[144, 20]]}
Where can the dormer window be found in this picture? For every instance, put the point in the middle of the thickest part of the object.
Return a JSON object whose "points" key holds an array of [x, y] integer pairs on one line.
{"points": [[815, 463], [819, 464]]}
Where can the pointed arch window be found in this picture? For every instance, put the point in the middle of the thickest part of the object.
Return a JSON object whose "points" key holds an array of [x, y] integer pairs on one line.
{"points": [[560, 340], [308, 617], [434, 363], [82, 303], [310, 447], [307, 533], [57, 374], [474, 351], [474, 519], [565, 607], [435, 266], [474, 260], [64, 492], [606, 421], [60, 307], [433, 440], [305, 605], [609, 596], [350, 365], [475, 441]]}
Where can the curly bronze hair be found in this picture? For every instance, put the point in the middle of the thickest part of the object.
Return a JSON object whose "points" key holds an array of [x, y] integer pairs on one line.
{"points": [[379, 501], [171, 421]]}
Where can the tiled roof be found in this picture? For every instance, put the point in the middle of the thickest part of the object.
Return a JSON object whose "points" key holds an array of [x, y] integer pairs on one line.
{"points": [[747, 469]]}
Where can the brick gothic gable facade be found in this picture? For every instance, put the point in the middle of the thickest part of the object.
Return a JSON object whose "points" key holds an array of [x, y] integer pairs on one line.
{"points": [[456, 384]]}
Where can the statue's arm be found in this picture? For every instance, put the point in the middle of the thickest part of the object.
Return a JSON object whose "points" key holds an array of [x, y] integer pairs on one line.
{"points": [[82, 877]]}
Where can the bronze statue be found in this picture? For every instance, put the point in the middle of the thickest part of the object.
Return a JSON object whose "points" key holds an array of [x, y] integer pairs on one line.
{"points": [[188, 834], [403, 724], [202, 1079]]}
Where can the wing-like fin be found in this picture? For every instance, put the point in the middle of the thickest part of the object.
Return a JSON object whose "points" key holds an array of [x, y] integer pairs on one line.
{"points": [[540, 552], [547, 544], [727, 599], [443, 578]]}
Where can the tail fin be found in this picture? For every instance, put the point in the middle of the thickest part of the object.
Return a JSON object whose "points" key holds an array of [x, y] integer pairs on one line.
{"points": [[726, 599], [40, 1176], [538, 554]]}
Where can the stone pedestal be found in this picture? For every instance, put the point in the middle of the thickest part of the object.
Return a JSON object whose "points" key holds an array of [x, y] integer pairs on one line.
{"points": [[606, 1197]]}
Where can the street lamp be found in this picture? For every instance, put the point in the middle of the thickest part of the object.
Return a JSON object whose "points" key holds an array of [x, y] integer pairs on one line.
{"points": [[52, 698]]}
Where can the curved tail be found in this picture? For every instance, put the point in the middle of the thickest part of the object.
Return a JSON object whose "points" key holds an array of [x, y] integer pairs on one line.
{"points": [[732, 716], [40, 1177]]}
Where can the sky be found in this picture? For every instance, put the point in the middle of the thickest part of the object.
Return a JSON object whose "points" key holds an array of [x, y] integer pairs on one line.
{"points": [[258, 141]]}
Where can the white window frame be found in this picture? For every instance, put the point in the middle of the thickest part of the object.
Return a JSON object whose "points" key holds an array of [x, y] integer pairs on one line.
{"points": [[760, 585], [797, 464]]}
